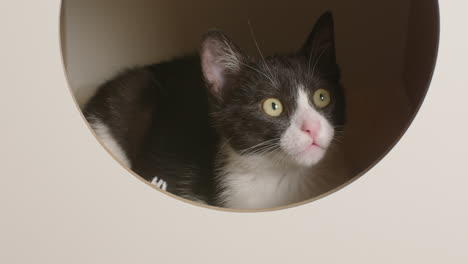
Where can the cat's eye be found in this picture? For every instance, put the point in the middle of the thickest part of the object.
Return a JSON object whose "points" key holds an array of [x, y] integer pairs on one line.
{"points": [[272, 107], [322, 98]]}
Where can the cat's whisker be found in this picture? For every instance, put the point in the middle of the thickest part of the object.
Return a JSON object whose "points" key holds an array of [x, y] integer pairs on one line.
{"points": [[339, 136], [312, 54], [260, 144], [338, 141], [283, 157], [259, 51], [222, 146], [318, 60], [261, 151], [260, 72], [278, 157], [243, 157]]}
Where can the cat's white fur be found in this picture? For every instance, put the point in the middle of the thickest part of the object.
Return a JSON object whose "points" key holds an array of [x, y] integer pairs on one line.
{"points": [[262, 181], [295, 142], [103, 133]]}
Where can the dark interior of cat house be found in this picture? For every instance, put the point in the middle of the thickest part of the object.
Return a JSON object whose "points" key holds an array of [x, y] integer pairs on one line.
{"points": [[386, 50]]}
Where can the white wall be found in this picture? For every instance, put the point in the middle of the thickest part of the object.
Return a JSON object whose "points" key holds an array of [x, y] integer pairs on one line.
{"points": [[63, 199]]}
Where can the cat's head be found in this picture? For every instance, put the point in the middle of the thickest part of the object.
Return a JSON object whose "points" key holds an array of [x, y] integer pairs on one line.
{"points": [[286, 105]]}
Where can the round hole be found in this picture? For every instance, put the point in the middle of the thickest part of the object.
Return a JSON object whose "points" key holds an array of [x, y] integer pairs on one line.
{"points": [[386, 52]]}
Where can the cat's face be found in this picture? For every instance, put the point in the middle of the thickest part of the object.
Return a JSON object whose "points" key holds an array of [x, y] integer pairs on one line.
{"points": [[289, 106]]}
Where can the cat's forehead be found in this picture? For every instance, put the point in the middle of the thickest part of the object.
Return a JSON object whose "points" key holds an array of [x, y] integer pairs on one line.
{"points": [[283, 75]]}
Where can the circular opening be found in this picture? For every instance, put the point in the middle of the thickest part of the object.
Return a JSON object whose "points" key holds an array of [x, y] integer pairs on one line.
{"points": [[386, 52]]}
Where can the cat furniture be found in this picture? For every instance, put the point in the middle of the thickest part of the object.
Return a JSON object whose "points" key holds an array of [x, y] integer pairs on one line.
{"points": [[66, 200], [386, 52]]}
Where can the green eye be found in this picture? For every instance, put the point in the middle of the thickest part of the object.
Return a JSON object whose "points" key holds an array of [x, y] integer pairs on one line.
{"points": [[272, 107], [322, 98]]}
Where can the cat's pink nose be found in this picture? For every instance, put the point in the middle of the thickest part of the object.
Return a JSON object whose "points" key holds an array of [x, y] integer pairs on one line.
{"points": [[311, 128]]}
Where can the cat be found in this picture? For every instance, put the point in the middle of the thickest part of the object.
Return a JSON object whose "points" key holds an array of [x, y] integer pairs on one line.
{"points": [[227, 129]]}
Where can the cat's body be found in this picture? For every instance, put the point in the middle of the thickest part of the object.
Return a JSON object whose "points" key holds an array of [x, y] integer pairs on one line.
{"points": [[229, 130], [159, 116]]}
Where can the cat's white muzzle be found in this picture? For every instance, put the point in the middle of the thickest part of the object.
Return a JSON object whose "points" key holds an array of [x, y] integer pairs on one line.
{"points": [[304, 147]]}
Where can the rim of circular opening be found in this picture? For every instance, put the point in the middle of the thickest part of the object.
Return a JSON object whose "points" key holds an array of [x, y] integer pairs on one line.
{"points": [[426, 84]]}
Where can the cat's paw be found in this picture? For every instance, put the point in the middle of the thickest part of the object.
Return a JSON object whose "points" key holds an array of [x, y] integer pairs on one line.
{"points": [[160, 183]]}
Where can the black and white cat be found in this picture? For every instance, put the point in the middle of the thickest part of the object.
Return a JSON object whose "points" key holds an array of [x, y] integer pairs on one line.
{"points": [[227, 129]]}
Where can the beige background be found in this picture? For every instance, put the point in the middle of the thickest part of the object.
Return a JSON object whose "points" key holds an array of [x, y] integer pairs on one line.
{"points": [[63, 199]]}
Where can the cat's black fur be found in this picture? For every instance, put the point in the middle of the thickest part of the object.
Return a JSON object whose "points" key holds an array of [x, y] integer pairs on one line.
{"points": [[159, 115], [169, 122]]}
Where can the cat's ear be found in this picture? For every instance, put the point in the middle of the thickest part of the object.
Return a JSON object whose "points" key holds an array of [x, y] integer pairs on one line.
{"points": [[221, 61], [319, 49]]}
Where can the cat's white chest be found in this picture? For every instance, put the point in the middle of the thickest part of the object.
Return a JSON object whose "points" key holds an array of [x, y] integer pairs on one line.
{"points": [[255, 184], [258, 183], [259, 191]]}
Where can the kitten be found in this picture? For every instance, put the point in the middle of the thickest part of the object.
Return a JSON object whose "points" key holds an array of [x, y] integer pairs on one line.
{"points": [[230, 130]]}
